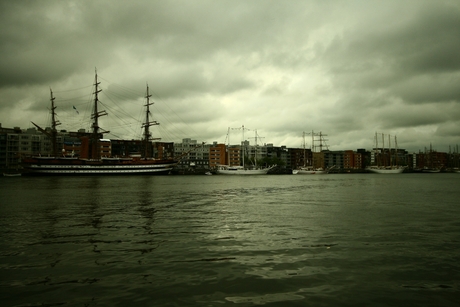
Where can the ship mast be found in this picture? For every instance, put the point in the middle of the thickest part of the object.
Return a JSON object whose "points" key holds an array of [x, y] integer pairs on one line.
{"points": [[304, 150], [243, 143], [54, 124], [146, 125], [95, 153], [390, 156], [396, 152]]}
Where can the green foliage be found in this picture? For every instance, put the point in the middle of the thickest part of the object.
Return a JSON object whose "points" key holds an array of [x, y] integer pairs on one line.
{"points": [[271, 161]]}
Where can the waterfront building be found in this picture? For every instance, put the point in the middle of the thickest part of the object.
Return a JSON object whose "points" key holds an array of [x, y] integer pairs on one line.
{"points": [[253, 152], [234, 155], [431, 159], [16, 143], [280, 153], [319, 159], [125, 148], [192, 155], [328, 159], [299, 157], [352, 160], [163, 150], [217, 155]]}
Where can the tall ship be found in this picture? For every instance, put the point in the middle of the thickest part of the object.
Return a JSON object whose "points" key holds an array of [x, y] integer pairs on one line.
{"points": [[90, 161], [309, 167], [430, 159], [242, 169], [384, 162]]}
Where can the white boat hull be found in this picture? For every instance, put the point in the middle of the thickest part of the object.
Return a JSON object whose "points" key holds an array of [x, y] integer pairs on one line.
{"points": [[386, 170], [308, 172], [431, 170], [244, 172], [238, 170], [11, 174]]}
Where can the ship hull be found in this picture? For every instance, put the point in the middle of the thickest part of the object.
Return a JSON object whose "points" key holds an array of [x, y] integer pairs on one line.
{"points": [[71, 167], [386, 170], [308, 172], [238, 170], [242, 172]]}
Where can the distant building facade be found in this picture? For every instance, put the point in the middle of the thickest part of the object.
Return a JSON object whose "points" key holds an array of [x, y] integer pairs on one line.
{"points": [[192, 155]]}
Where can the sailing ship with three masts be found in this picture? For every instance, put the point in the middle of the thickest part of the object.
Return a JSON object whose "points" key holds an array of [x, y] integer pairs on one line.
{"points": [[309, 166], [430, 158], [385, 160], [241, 168], [90, 162]]}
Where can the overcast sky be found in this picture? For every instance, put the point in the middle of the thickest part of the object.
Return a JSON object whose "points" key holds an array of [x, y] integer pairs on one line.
{"points": [[346, 68]]}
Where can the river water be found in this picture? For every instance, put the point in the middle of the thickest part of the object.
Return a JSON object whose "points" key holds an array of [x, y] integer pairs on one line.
{"points": [[274, 240]]}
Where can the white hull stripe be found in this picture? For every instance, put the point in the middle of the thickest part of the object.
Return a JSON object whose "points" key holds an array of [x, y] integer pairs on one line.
{"points": [[102, 167], [100, 171]]}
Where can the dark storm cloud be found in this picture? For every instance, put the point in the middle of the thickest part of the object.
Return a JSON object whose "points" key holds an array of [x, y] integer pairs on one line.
{"points": [[348, 68], [385, 56], [32, 44]]}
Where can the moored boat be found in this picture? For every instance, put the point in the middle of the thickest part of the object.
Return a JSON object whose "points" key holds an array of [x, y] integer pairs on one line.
{"points": [[431, 170], [310, 171], [308, 167], [241, 169], [12, 174], [386, 170], [65, 166], [385, 160], [91, 163]]}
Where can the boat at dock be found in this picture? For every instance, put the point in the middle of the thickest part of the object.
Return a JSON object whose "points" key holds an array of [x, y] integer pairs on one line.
{"points": [[12, 174], [386, 170], [309, 170], [90, 162], [309, 167], [242, 169], [385, 160]]}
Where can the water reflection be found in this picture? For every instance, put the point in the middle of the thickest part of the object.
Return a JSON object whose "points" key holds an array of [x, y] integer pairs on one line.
{"points": [[215, 240]]}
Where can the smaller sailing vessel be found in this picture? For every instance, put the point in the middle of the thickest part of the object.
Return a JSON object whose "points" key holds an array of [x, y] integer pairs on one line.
{"points": [[431, 170], [386, 170], [431, 166], [309, 170], [241, 169], [91, 162], [384, 163], [309, 164], [12, 174]]}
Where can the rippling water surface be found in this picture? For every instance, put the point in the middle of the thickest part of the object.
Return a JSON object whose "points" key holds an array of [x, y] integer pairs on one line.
{"points": [[332, 240]]}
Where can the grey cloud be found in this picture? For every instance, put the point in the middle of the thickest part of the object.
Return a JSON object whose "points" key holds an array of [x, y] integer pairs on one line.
{"points": [[429, 88], [346, 68], [426, 43]]}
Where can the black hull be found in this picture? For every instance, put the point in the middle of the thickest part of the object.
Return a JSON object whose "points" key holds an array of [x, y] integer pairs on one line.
{"points": [[44, 167], [95, 173]]}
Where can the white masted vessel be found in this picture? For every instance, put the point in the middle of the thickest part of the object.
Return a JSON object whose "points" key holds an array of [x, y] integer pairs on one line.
{"points": [[242, 169], [385, 160]]}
